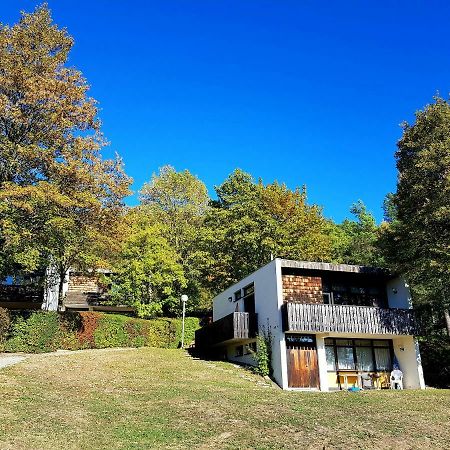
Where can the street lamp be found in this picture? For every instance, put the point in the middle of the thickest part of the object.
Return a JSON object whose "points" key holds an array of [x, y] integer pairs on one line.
{"points": [[184, 299]]}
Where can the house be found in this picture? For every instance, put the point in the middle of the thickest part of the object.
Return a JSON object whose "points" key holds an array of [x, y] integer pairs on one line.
{"points": [[331, 325]]}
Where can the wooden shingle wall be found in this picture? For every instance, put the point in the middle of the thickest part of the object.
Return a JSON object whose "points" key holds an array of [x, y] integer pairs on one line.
{"points": [[302, 289]]}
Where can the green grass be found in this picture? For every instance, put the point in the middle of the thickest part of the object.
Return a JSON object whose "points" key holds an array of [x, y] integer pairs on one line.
{"points": [[157, 398]]}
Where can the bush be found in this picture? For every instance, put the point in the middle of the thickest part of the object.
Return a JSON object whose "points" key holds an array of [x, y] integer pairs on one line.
{"points": [[263, 355], [47, 331], [39, 333]]}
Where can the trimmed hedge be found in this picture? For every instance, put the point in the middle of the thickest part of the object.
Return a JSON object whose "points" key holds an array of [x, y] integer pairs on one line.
{"points": [[40, 331]]}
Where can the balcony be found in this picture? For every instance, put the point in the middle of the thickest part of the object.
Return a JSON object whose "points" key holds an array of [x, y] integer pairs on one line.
{"points": [[235, 327], [348, 319]]}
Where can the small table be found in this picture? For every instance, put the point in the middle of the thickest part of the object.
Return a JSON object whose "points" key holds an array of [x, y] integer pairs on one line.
{"points": [[349, 373]]}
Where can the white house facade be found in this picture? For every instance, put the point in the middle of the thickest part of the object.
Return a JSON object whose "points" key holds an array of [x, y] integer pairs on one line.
{"points": [[331, 325]]}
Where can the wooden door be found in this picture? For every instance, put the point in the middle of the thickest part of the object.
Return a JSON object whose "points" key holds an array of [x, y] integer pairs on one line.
{"points": [[303, 371]]}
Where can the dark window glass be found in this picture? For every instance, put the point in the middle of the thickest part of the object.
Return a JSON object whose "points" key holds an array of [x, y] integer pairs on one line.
{"points": [[249, 290]]}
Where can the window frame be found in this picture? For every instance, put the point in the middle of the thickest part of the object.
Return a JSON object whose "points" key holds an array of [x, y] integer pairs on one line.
{"points": [[354, 345]]}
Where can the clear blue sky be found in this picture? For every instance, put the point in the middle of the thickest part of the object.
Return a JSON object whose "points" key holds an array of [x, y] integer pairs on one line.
{"points": [[304, 92]]}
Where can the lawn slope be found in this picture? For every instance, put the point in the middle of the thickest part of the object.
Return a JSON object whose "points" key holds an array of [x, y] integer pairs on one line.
{"points": [[157, 398]]}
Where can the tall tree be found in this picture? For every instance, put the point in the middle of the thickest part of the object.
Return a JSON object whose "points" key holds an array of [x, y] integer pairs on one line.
{"points": [[59, 198], [250, 223], [355, 241], [147, 270], [417, 242], [178, 201]]}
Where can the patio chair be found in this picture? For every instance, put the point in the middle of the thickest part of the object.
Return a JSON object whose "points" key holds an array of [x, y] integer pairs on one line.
{"points": [[366, 381], [396, 379]]}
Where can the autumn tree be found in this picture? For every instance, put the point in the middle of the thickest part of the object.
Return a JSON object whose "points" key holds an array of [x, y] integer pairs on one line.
{"points": [[59, 199], [147, 273], [356, 241], [417, 241], [178, 201], [250, 223]]}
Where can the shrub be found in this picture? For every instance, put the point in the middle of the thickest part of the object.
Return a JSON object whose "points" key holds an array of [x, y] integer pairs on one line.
{"points": [[40, 332], [89, 323], [37, 332], [263, 355], [110, 331]]}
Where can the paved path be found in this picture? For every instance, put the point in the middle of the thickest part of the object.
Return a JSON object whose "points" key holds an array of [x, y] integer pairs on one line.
{"points": [[8, 360]]}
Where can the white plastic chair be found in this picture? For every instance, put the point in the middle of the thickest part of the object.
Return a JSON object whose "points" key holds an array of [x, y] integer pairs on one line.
{"points": [[396, 379]]}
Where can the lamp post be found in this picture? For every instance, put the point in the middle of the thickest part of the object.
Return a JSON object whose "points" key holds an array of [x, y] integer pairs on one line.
{"points": [[184, 299]]}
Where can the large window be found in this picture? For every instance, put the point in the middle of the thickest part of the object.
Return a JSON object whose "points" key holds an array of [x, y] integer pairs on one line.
{"points": [[369, 293], [365, 355]]}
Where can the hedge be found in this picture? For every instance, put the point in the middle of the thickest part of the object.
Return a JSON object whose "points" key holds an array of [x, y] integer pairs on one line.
{"points": [[40, 331]]}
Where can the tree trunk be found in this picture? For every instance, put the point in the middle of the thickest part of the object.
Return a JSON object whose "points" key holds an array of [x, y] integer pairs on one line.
{"points": [[62, 279], [447, 321]]}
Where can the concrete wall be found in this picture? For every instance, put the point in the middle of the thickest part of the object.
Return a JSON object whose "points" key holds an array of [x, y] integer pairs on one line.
{"points": [[322, 362], [268, 301], [398, 294], [406, 349]]}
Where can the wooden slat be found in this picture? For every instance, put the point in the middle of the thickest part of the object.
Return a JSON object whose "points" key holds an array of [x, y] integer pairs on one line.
{"points": [[348, 319]]}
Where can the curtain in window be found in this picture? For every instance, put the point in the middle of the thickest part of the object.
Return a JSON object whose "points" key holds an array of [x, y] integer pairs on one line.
{"points": [[383, 359], [345, 358], [364, 360], [331, 364]]}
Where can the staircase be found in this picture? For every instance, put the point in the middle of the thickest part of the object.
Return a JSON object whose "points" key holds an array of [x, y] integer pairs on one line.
{"points": [[83, 291]]}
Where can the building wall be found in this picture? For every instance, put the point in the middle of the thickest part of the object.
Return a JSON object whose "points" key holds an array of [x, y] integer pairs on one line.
{"points": [[302, 289], [398, 294], [406, 349], [272, 289], [268, 301]]}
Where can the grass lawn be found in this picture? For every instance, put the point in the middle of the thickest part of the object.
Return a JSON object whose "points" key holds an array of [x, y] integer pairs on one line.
{"points": [[155, 398]]}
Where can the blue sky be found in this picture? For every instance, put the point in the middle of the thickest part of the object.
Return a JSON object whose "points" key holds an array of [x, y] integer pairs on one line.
{"points": [[303, 92]]}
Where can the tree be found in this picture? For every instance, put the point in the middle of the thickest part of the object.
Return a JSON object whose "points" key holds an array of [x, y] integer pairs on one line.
{"points": [[147, 272], [355, 241], [59, 199], [251, 223], [417, 241], [178, 201]]}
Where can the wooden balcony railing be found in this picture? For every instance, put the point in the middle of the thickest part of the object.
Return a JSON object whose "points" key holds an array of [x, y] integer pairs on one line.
{"points": [[235, 327], [348, 319]]}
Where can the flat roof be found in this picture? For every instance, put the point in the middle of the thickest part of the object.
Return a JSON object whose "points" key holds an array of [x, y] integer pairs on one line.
{"points": [[287, 263]]}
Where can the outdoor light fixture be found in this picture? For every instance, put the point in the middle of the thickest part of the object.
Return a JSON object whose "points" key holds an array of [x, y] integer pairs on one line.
{"points": [[230, 299], [394, 290], [184, 299]]}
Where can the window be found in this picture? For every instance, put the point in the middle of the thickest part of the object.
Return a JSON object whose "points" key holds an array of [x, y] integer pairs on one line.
{"points": [[364, 358], [345, 358], [383, 359], [365, 355], [237, 295], [239, 350], [354, 291], [248, 290], [250, 348], [331, 359]]}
